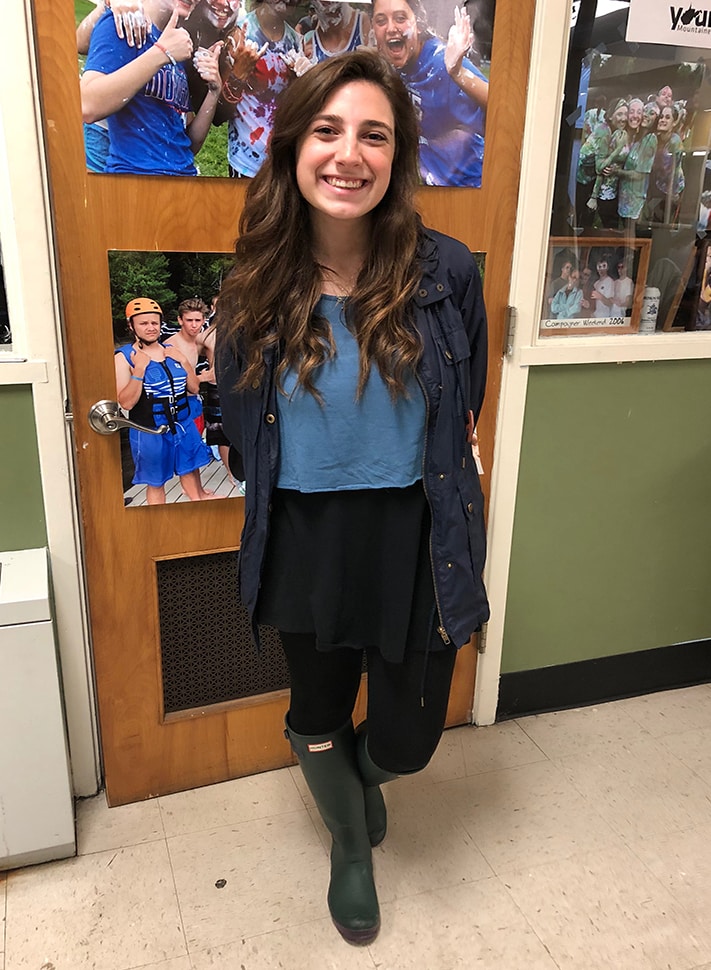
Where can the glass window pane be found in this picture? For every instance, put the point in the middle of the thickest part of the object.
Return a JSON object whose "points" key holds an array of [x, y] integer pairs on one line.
{"points": [[632, 199]]}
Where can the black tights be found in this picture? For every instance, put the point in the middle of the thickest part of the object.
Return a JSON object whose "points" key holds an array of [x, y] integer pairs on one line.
{"points": [[402, 731]]}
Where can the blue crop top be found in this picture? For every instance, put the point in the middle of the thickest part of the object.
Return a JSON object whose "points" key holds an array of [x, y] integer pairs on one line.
{"points": [[344, 443]]}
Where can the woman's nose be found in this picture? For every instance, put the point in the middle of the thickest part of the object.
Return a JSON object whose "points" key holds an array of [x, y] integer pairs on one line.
{"points": [[348, 148]]}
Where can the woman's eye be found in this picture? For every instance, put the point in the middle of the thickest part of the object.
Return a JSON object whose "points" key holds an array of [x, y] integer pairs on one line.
{"points": [[324, 130], [375, 136]]}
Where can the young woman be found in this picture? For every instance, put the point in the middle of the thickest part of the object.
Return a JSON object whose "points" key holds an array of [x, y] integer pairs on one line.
{"points": [[450, 92], [351, 365], [609, 157], [272, 43], [634, 175], [666, 182]]}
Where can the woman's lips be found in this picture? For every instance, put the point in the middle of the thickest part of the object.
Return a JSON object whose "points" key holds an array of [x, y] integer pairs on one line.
{"points": [[342, 183]]}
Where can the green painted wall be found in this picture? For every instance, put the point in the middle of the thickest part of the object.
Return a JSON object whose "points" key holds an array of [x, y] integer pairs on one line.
{"points": [[22, 524], [612, 534]]}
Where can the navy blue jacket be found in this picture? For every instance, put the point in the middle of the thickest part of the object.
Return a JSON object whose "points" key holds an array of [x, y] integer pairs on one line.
{"points": [[449, 315]]}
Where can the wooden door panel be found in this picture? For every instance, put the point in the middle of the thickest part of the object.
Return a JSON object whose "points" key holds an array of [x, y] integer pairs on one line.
{"points": [[145, 751]]}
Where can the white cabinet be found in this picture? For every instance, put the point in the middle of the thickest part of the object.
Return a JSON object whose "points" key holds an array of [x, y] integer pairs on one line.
{"points": [[36, 805]]}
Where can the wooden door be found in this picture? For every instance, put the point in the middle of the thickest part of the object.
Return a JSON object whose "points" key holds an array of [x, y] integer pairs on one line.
{"points": [[150, 747]]}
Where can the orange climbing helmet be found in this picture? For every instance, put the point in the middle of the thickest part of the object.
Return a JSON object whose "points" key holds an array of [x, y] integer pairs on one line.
{"points": [[142, 305]]}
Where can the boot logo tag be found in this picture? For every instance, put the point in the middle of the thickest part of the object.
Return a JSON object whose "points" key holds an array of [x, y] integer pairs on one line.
{"points": [[323, 746]]}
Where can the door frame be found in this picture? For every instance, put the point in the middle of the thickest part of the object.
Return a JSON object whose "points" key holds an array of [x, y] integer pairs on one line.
{"points": [[31, 281], [551, 31]]}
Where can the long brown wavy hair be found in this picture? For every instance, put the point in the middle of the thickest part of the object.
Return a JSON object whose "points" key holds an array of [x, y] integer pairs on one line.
{"points": [[270, 295]]}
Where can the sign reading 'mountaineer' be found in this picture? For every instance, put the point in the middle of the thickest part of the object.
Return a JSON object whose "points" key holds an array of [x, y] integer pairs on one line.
{"points": [[661, 22]]}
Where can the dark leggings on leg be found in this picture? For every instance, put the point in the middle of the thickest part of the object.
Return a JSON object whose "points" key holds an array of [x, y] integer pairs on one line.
{"points": [[407, 702]]}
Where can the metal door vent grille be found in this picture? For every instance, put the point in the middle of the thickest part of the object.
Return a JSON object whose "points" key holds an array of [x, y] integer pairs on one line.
{"points": [[207, 654]]}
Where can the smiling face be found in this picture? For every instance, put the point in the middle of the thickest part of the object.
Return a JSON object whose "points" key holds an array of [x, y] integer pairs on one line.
{"points": [[635, 114], [665, 96], [602, 268], [665, 122], [344, 161], [619, 118], [395, 31], [221, 13], [650, 115]]}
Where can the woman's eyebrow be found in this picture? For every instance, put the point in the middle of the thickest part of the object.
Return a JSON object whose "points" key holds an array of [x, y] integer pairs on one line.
{"points": [[366, 123]]}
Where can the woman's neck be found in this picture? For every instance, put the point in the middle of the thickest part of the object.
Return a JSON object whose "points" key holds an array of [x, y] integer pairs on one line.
{"points": [[341, 250], [271, 23]]}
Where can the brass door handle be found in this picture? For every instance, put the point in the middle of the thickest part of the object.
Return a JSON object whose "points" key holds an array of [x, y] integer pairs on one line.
{"points": [[105, 418]]}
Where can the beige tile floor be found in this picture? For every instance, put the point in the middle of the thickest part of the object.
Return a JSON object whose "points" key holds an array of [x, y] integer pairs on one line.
{"points": [[573, 840]]}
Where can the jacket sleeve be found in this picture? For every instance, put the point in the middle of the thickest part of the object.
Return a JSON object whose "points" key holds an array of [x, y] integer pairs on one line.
{"points": [[228, 369], [474, 317]]}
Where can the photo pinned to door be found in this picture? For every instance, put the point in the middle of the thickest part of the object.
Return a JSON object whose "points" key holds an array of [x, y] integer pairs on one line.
{"points": [[163, 304], [208, 109]]}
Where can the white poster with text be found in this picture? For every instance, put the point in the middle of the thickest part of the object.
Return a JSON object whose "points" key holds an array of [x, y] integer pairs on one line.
{"points": [[661, 22]]}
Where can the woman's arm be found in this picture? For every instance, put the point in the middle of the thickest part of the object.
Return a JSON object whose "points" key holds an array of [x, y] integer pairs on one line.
{"points": [[603, 162], [86, 27], [207, 64], [473, 314], [459, 41], [105, 94]]}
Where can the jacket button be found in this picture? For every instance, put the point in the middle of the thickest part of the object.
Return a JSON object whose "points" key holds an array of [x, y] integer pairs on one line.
{"points": [[255, 385], [448, 354], [422, 292], [270, 419], [470, 507], [442, 476], [449, 565], [440, 287]]}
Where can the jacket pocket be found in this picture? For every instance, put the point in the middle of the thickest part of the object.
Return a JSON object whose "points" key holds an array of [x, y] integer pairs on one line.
{"points": [[454, 345], [472, 500]]}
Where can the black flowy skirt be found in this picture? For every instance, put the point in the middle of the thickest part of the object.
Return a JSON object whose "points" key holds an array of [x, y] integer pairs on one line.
{"points": [[353, 568]]}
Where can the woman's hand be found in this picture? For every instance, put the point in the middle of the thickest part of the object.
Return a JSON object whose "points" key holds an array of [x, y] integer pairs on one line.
{"points": [[176, 40], [459, 40], [297, 60], [207, 64], [132, 22], [242, 54]]}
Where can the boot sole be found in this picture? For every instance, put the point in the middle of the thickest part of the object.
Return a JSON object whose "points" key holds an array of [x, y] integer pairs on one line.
{"points": [[358, 937]]}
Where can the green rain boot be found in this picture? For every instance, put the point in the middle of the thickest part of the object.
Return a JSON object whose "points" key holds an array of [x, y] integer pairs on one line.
{"points": [[328, 763], [372, 777]]}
